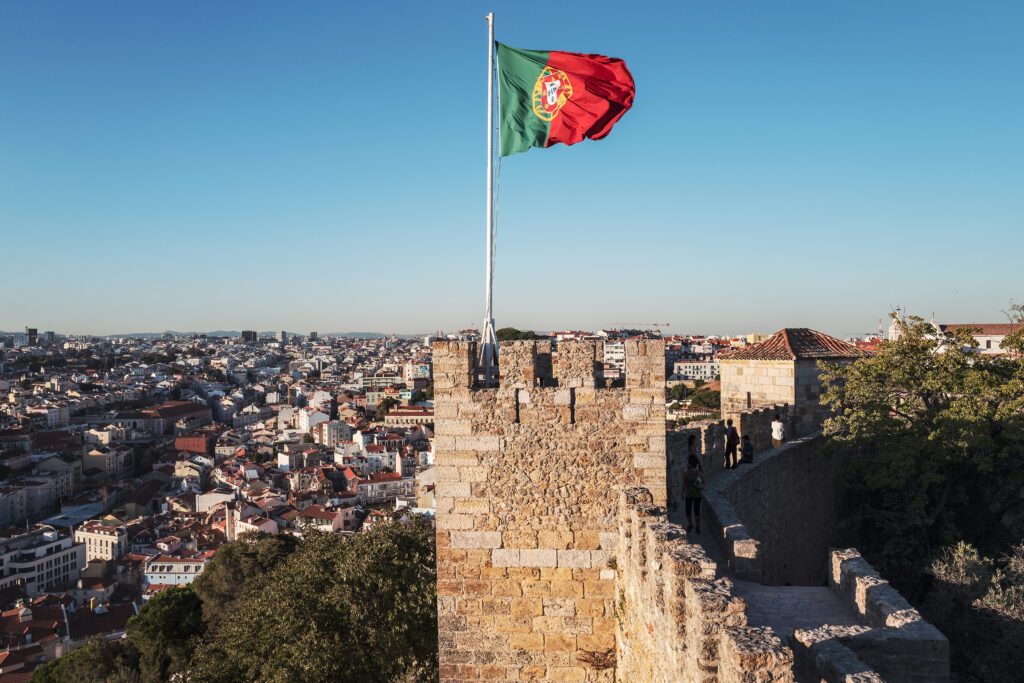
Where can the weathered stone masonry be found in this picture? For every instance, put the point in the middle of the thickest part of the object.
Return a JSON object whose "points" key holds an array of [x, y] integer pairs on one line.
{"points": [[528, 476], [557, 561]]}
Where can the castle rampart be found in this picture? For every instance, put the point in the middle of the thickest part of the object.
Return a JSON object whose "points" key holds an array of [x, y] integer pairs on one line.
{"points": [[556, 557], [528, 476]]}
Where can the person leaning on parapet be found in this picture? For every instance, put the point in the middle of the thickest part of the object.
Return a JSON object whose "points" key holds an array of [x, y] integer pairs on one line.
{"points": [[732, 442], [693, 485], [746, 451], [778, 432]]}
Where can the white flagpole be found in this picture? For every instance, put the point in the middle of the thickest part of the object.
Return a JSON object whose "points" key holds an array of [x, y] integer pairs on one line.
{"points": [[489, 340]]}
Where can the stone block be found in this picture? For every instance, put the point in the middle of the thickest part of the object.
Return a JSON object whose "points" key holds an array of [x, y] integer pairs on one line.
{"points": [[476, 539], [559, 642], [505, 557], [543, 557], [454, 521], [575, 559], [554, 539]]}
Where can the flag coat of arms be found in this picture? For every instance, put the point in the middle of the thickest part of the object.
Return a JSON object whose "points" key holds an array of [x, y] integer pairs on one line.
{"points": [[554, 97]]}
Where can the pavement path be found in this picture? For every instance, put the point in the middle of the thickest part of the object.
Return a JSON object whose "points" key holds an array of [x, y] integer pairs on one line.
{"points": [[783, 608]]}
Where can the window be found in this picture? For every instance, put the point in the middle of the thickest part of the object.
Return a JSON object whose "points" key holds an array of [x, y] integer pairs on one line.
{"points": [[988, 343]]}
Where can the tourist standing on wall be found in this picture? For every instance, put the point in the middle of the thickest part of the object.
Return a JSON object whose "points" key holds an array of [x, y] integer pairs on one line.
{"points": [[693, 485], [732, 442], [778, 432]]}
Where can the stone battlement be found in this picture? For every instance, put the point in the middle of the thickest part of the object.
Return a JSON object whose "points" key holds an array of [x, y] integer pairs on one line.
{"points": [[533, 364], [556, 559], [677, 622], [527, 505]]}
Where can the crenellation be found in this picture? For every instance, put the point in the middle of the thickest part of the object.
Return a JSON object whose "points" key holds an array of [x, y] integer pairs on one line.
{"points": [[526, 479], [556, 558]]}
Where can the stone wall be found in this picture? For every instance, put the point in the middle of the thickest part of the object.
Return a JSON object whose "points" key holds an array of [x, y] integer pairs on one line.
{"points": [[895, 644], [528, 476], [557, 562], [785, 503], [748, 384], [751, 384], [677, 622]]}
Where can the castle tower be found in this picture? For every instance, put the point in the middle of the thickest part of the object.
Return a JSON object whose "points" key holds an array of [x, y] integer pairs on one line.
{"points": [[528, 482]]}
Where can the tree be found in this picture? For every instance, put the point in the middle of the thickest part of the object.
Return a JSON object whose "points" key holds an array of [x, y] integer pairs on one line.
{"points": [[706, 398], [236, 570], [98, 661], [978, 603], [941, 432], [337, 609], [679, 392], [165, 632], [418, 397], [511, 334], [383, 407]]}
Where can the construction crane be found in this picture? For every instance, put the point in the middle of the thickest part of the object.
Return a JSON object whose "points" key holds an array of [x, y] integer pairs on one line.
{"points": [[656, 327]]}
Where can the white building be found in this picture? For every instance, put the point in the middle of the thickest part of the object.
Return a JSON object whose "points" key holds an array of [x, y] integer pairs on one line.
{"points": [[332, 433], [175, 571], [696, 369], [102, 541], [308, 418], [40, 560], [989, 336], [615, 355]]}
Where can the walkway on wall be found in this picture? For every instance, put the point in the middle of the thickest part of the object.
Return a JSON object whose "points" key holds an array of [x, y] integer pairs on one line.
{"points": [[783, 608]]}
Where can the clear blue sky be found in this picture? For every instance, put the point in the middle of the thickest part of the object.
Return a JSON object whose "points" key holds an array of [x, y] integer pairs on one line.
{"points": [[319, 165]]}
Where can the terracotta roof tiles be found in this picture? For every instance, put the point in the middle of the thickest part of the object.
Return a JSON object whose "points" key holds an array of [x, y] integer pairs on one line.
{"points": [[797, 343]]}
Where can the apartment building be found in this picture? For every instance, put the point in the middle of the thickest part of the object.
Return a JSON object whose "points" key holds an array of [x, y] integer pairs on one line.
{"points": [[40, 560]]}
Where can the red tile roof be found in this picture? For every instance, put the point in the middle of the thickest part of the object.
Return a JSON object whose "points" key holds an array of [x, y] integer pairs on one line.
{"points": [[985, 328], [797, 343]]}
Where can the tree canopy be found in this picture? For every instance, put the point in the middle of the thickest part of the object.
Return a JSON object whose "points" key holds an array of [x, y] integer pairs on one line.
{"points": [[512, 334], [944, 429], [362, 609], [706, 398], [324, 609], [934, 492]]}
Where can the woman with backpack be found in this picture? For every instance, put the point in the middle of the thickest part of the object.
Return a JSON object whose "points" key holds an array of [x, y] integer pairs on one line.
{"points": [[693, 483]]}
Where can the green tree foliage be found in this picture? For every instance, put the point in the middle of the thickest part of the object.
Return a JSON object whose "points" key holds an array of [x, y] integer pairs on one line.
{"points": [[98, 661], [942, 429], [934, 490], [383, 407], [356, 609], [418, 397], [274, 608], [512, 334], [679, 392], [236, 569], [978, 602], [706, 398], [165, 632]]}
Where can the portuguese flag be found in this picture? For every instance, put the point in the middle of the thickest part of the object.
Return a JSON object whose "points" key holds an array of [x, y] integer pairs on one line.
{"points": [[559, 97]]}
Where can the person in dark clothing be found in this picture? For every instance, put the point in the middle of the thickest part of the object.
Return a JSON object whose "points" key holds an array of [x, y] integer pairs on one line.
{"points": [[691, 448], [693, 484], [732, 443], [746, 450]]}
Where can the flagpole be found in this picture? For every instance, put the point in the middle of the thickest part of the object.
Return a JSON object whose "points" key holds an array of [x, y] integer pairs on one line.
{"points": [[489, 341]]}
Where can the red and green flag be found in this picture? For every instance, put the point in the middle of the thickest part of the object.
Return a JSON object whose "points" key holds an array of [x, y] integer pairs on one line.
{"points": [[559, 97]]}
